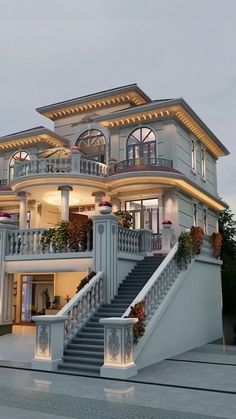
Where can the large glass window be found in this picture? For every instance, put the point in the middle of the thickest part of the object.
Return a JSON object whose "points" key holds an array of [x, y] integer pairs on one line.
{"points": [[141, 144], [19, 156], [145, 213], [93, 145]]}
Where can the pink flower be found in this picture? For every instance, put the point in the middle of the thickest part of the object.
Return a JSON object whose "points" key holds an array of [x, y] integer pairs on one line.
{"points": [[4, 214], [105, 204]]}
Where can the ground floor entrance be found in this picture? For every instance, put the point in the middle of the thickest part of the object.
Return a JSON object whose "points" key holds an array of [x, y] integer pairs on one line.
{"points": [[42, 293]]}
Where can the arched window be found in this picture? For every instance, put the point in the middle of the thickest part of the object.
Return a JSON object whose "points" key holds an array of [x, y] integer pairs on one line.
{"points": [[18, 156], [93, 145], [141, 143]]}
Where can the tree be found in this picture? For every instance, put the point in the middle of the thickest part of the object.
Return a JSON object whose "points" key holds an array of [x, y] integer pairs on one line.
{"points": [[227, 228]]}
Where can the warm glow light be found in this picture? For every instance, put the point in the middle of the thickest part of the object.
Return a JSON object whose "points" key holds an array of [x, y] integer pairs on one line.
{"points": [[54, 198]]}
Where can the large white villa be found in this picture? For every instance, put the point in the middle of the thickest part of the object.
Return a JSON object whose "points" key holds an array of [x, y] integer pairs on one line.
{"points": [[155, 159]]}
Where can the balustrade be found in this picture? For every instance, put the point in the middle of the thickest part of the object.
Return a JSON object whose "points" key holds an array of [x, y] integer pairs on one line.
{"points": [[158, 285], [28, 242], [25, 242], [128, 240], [59, 165], [81, 307]]}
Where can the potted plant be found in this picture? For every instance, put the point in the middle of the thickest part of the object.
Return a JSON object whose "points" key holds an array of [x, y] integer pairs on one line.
{"points": [[197, 238], [125, 219], [105, 207], [166, 224], [138, 312], [4, 217], [216, 242]]}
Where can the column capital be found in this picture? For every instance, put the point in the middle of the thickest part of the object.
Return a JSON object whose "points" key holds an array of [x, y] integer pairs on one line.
{"points": [[23, 194], [98, 194], [65, 188]]}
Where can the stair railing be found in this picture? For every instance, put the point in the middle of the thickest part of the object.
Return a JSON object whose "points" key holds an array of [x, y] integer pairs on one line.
{"points": [[82, 306], [158, 285]]}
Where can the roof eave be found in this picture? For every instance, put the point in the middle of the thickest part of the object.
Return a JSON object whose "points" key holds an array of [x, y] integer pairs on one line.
{"points": [[94, 96]]}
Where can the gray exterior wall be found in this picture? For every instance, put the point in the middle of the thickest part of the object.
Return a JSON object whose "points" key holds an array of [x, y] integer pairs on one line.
{"points": [[183, 161], [185, 214]]}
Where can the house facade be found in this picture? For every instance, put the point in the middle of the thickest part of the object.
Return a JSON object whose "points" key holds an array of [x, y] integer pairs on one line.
{"points": [[155, 159]]}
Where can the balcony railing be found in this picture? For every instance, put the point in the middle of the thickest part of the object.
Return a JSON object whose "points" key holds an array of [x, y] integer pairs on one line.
{"points": [[59, 166], [29, 242], [142, 163]]}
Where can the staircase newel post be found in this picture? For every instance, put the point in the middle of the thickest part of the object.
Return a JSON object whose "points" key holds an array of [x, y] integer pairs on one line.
{"points": [[118, 348], [50, 338], [105, 245]]}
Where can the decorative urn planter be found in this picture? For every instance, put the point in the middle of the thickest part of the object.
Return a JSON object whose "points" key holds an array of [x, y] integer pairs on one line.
{"points": [[105, 207], [167, 224], [4, 217]]}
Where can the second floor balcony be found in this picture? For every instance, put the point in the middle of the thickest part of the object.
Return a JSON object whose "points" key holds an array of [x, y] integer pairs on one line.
{"points": [[77, 166]]}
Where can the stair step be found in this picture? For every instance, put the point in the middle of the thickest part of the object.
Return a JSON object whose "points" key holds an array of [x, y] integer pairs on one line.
{"points": [[81, 360], [87, 341], [88, 329], [80, 367], [89, 335], [88, 347], [84, 354]]}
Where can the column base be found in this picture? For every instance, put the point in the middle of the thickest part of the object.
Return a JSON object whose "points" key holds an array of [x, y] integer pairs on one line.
{"points": [[5, 329], [122, 373], [46, 365]]}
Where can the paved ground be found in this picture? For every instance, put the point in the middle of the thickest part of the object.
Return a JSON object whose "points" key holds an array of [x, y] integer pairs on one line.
{"points": [[27, 394], [197, 384]]}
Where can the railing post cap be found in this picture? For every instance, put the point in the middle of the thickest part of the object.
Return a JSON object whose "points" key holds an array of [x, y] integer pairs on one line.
{"points": [[49, 319], [101, 217], [116, 321]]}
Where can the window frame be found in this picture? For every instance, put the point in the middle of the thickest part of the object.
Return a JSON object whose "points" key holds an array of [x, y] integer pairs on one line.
{"points": [[140, 143]]}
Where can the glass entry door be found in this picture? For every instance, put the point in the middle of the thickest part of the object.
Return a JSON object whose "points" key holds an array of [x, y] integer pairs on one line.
{"points": [[145, 213], [37, 291]]}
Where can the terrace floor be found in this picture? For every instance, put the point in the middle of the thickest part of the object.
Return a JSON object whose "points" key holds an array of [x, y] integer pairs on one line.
{"points": [[198, 384]]}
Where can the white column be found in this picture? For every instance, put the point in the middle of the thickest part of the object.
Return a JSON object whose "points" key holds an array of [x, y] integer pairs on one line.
{"points": [[65, 196], [23, 210], [98, 196], [105, 245], [161, 210]]}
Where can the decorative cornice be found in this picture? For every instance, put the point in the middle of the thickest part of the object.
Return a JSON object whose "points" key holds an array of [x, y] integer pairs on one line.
{"points": [[130, 94], [31, 137], [176, 109]]}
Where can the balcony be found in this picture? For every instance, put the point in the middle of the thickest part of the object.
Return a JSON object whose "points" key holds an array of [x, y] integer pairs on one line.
{"points": [[74, 165], [142, 164]]}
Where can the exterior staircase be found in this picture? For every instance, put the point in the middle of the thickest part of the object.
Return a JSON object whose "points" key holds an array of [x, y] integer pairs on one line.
{"points": [[85, 352]]}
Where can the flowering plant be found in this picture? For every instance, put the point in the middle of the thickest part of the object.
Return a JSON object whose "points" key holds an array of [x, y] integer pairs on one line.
{"points": [[105, 204], [168, 222], [125, 218], [4, 214], [137, 311], [75, 147], [216, 241], [197, 237], [85, 281]]}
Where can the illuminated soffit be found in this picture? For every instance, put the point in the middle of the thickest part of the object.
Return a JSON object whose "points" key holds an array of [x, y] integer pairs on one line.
{"points": [[176, 111], [133, 98]]}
